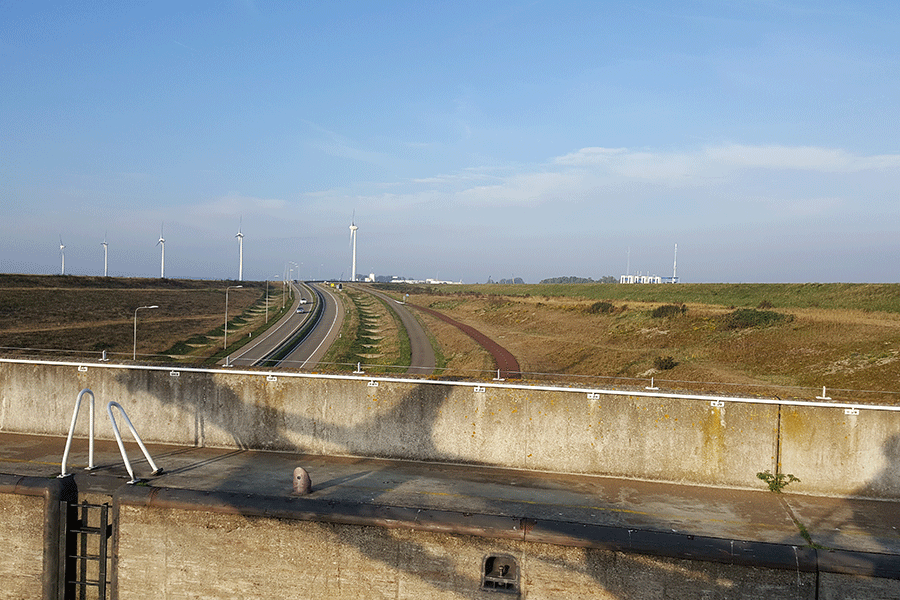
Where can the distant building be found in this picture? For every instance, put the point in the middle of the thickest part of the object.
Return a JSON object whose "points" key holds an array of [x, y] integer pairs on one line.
{"points": [[654, 278], [641, 279]]}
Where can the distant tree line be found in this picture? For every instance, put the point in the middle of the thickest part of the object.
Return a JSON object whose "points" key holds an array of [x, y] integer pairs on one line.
{"points": [[604, 279], [507, 281]]}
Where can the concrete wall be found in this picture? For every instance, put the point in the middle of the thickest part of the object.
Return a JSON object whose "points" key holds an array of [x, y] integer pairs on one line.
{"points": [[658, 438], [21, 537], [29, 535], [252, 557]]}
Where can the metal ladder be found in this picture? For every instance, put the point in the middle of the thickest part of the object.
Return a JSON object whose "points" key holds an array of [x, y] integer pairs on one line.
{"points": [[84, 548]]}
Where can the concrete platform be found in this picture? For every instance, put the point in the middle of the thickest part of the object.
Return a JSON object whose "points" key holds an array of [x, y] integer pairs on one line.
{"points": [[726, 525]]}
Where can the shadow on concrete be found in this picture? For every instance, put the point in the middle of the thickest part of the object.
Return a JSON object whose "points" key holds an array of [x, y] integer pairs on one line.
{"points": [[844, 529], [622, 561]]}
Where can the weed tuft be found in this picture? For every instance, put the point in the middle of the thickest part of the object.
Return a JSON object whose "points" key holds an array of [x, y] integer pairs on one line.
{"points": [[664, 363], [668, 310], [778, 481], [745, 318], [600, 307]]}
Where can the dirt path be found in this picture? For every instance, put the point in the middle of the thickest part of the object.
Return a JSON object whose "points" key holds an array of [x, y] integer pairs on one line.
{"points": [[503, 358]]}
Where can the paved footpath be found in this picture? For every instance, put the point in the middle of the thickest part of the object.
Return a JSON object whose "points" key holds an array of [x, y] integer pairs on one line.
{"points": [[752, 527]]}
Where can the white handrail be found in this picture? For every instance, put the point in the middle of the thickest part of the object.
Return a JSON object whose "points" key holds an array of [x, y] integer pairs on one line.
{"points": [[137, 438], [65, 457], [455, 383]]}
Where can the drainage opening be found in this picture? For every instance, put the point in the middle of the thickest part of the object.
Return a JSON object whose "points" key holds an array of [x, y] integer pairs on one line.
{"points": [[500, 573]]}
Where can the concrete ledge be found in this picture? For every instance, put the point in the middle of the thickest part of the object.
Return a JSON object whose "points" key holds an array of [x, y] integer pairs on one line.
{"points": [[870, 564], [329, 511], [676, 545], [55, 488], [561, 533]]}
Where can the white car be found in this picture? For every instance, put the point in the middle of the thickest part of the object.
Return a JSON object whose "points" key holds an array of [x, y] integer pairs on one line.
{"points": [[303, 300], [300, 310]]}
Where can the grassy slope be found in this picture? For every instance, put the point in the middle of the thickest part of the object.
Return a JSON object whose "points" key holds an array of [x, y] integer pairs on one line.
{"points": [[82, 316], [856, 296], [842, 335]]}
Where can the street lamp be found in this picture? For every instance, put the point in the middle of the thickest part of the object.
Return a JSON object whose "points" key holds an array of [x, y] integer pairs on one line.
{"points": [[230, 287], [134, 353]]}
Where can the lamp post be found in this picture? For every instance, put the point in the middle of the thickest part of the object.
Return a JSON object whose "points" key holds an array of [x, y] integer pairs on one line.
{"points": [[230, 287], [134, 353]]}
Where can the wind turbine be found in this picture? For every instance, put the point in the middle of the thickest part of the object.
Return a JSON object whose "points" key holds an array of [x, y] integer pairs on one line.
{"points": [[240, 237], [162, 263], [62, 256], [105, 256], [353, 229]]}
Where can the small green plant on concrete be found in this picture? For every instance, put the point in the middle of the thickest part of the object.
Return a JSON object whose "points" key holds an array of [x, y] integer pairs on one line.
{"points": [[778, 481]]}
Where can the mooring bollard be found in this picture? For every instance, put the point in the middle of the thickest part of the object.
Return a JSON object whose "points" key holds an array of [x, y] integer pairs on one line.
{"points": [[302, 482]]}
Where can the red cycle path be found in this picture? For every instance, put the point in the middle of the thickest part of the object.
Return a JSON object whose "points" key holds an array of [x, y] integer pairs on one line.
{"points": [[503, 358]]}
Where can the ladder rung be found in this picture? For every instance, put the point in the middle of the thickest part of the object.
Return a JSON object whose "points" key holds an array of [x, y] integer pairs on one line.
{"points": [[94, 583], [87, 557], [97, 530]]}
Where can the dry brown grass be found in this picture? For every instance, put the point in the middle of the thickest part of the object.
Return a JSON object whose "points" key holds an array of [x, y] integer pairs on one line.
{"points": [[57, 317], [841, 349], [555, 338]]}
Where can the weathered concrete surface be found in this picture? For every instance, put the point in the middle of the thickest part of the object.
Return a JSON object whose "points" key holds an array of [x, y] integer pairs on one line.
{"points": [[215, 517], [21, 537], [664, 439], [842, 454], [29, 534], [834, 586], [256, 557]]}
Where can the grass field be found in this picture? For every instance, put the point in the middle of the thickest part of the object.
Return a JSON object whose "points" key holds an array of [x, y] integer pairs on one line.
{"points": [[66, 316], [785, 340], [759, 339]]}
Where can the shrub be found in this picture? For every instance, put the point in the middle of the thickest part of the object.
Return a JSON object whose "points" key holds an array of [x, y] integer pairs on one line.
{"points": [[744, 318], [668, 310], [664, 363], [765, 304], [600, 307]]}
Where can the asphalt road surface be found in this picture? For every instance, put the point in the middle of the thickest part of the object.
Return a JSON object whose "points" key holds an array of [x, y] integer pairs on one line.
{"points": [[422, 360], [256, 350], [309, 352]]}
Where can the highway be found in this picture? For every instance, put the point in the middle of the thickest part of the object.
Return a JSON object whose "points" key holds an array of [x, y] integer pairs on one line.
{"points": [[256, 351], [312, 348]]}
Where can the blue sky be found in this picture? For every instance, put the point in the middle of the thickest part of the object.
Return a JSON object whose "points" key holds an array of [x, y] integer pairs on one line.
{"points": [[469, 139]]}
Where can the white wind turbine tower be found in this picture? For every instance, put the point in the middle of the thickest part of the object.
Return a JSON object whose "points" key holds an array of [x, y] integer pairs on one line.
{"points": [[240, 237], [62, 256], [353, 229], [162, 262], [105, 256]]}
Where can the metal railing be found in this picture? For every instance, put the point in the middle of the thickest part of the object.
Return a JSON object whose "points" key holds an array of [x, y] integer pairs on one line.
{"points": [[109, 410], [592, 393]]}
